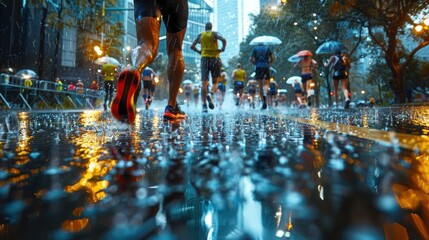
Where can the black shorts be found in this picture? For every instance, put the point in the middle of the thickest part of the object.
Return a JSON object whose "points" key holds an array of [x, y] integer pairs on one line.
{"points": [[147, 84], [238, 87], [174, 12], [211, 65], [262, 73], [305, 77]]}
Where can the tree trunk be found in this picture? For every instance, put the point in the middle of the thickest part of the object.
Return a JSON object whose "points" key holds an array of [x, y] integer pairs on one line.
{"points": [[42, 42], [397, 86]]}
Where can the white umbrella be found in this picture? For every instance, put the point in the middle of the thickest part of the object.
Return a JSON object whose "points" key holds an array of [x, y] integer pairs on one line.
{"points": [[187, 81], [295, 58], [292, 79], [267, 40], [107, 60], [27, 73]]}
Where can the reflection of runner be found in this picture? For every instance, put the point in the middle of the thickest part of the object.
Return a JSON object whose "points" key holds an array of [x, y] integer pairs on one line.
{"points": [[221, 89], [148, 14], [210, 62], [239, 75], [148, 76]]}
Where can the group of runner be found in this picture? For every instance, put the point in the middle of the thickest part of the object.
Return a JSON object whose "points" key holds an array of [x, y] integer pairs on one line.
{"points": [[148, 15]]}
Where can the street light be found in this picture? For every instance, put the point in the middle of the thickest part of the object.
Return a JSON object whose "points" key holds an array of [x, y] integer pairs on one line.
{"points": [[423, 28]]}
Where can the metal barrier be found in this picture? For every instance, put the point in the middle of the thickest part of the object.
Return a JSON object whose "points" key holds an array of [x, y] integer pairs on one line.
{"points": [[44, 94]]}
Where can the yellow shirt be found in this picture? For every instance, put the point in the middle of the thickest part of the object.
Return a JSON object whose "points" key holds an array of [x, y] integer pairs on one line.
{"points": [[108, 71], [239, 75], [209, 46]]}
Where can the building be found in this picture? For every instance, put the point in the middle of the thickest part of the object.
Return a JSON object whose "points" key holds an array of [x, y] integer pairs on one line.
{"points": [[232, 21]]}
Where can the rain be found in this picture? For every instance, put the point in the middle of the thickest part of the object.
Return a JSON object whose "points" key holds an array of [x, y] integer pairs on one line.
{"points": [[234, 172]]}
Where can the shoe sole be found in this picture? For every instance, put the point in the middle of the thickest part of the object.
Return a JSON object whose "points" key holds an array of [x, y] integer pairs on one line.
{"points": [[209, 100], [124, 104]]}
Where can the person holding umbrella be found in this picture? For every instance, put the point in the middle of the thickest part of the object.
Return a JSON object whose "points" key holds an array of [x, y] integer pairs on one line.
{"points": [[340, 65], [307, 66], [108, 72], [262, 57]]}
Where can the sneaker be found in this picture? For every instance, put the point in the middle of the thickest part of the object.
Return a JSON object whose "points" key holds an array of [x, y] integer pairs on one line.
{"points": [[123, 107], [309, 101], [171, 113], [264, 104], [205, 108], [179, 113], [347, 105], [237, 102], [210, 100]]}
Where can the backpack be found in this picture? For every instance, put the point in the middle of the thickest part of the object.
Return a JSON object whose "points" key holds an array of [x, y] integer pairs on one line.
{"points": [[340, 68], [340, 65]]}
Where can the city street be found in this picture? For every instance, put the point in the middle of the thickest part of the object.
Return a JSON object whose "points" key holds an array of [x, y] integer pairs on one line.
{"points": [[282, 173]]}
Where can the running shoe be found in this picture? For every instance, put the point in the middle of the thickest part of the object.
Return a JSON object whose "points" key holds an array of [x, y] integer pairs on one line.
{"points": [[264, 104], [123, 107], [179, 113], [210, 100], [205, 110], [173, 113], [347, 105]]}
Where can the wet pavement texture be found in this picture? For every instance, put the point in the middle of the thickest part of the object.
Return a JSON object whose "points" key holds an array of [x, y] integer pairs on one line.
{"points": [[238, 174]]}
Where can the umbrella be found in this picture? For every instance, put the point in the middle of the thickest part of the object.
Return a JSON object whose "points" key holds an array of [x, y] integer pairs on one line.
{"points": [[304, 53], [292, 79], [295, 58], [187, 81], [27, 73], [330, 47], [107, 60], [268, 40]]}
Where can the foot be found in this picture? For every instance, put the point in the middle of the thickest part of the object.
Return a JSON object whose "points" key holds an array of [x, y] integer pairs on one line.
{"points": [[123, 107], [205, 110], [347, 104], [173, 113], [309, 101], [264, 104], [209, 98]]}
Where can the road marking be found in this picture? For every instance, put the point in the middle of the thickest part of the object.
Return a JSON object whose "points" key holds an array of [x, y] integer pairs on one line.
{"points": [[407, 141]]}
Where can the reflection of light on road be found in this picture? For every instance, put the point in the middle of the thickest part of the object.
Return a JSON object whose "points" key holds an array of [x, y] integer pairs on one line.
{"points": [[251, 211], [23, 147]]}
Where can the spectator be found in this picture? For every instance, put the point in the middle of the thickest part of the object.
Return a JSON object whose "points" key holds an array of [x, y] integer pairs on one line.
{"points": [[58, 84]]}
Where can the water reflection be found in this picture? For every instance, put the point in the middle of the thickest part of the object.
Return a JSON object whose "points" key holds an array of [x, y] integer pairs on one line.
{"points": [[243, 175]]}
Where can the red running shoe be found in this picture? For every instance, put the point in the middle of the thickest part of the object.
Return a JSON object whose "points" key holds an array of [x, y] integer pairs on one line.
{"points": [[124, 104], [173, 113]]}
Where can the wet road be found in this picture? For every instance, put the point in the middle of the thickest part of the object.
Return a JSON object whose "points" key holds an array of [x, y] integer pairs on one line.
{"points": [[230, 174]]}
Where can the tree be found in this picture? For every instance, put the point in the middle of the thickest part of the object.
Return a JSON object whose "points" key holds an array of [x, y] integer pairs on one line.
{"points": [[302, 25], [387, 22], [88, 16]]}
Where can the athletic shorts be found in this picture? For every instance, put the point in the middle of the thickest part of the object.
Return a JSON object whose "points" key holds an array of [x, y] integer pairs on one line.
{"points": [[210, 65], [147, 84], [221, 87], [174, 12], [238, 86], [305, 77], [262, 73]]}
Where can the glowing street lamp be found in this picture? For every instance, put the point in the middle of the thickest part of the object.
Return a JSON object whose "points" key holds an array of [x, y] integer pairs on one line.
{"points": [[98, 50]]}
